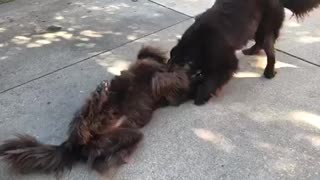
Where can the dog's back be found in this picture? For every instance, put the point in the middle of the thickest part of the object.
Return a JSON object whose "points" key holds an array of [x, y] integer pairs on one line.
{"points": [[237, 21]]}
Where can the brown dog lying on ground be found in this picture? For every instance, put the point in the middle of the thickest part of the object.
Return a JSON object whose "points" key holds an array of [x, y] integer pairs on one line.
{"points": [[106, 127]]}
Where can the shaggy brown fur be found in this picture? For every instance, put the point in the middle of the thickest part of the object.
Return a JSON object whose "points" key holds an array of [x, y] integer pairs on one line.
{"points": [[106, 127], [210, 43]]}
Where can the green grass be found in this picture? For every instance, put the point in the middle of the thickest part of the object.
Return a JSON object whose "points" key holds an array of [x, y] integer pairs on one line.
{"points": [[5, 1]]}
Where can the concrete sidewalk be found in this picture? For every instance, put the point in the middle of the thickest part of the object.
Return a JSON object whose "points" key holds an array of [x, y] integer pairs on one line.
{"points": [[258, 128]]}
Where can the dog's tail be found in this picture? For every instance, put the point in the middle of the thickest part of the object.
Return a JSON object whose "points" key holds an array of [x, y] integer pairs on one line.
{"points": [[26, 155], [300, 8]]}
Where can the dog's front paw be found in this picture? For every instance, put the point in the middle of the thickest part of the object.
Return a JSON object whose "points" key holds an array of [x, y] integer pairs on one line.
{"points": [[269, 73], [102, 87], [201, 99], [251, 51]]}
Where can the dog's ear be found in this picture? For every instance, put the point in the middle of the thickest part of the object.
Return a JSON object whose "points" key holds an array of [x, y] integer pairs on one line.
{"points": [[165, 84], [152, 53]]}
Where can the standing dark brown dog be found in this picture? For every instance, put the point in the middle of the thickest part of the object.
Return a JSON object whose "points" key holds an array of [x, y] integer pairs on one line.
{"points": [[210, 43]]}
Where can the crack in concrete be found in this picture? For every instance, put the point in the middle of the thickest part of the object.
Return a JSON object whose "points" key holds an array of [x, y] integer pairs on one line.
{"points": [[179, 12], [95, 55]]}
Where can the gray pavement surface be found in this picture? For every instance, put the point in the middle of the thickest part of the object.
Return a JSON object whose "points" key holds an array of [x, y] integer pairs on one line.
{"points": [[89, 27], [257, 129]]}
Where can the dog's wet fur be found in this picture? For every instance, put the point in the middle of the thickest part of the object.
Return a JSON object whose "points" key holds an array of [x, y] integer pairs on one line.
{"points": [[107, 126], [209, 44]]}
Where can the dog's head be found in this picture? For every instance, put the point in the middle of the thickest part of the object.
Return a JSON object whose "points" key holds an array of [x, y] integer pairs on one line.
{"points": [[173, 80], [182, 55], [152, 54], [151, 67], [188, 51], [152, 62], [149, 61]]}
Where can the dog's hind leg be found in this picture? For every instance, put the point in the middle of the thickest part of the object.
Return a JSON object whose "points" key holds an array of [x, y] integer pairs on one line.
{"points": [[127, 144], [124, 138], [273, 25], [269, 71], [257, 47], [120, 143]]}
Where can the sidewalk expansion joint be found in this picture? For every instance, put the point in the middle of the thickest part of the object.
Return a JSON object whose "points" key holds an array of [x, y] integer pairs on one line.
{"points": [[95, 55], [179, 12]]}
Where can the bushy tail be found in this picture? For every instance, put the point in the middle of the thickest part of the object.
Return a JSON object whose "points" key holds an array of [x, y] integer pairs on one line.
{"points": [[300, 8], [26, 155]]}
